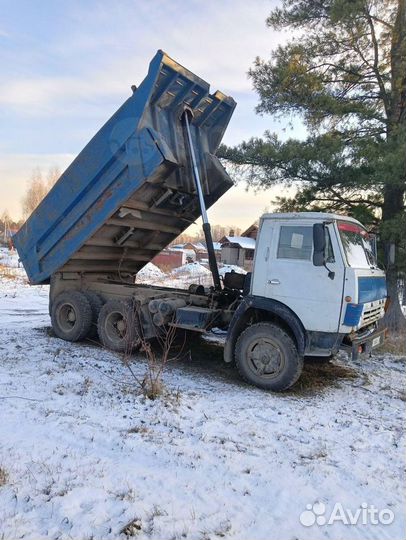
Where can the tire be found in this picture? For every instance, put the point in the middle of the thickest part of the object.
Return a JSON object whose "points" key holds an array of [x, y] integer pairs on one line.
{"points": [[267, 357], [118, 326], [71, 316], [96, 303]]}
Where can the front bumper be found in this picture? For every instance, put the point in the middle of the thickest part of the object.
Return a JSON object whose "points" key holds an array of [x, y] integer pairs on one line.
{"points": [[363, 345]]}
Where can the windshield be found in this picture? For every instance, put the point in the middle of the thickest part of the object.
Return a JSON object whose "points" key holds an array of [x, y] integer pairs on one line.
{"points": [[358, 245]]}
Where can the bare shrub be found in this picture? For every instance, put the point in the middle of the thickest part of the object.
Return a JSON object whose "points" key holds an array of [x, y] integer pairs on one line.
{"points": [[157, 355]]}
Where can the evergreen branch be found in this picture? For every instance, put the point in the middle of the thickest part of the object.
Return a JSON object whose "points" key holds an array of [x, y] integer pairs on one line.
{"points": [[381, 21]]}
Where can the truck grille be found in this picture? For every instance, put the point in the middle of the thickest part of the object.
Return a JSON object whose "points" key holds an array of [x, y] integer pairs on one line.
{"points": [[372, 314]]}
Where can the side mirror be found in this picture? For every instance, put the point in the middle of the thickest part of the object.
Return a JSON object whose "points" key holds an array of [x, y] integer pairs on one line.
{"points": [[319, 244]]}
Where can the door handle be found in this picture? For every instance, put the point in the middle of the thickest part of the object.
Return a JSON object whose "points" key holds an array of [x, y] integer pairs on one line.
{"points": [[274, 282]]}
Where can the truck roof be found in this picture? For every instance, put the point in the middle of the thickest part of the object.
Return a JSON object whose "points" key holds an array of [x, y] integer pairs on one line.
{"points": [[130, 191], [314, 216]]}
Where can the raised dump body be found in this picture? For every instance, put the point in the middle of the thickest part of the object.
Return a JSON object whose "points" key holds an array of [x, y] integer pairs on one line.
{"points": [[131, 190]]}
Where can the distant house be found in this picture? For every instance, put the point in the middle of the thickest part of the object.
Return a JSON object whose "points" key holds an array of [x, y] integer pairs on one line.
{"points": [[199, 249], [251, 232], [195, 251], [217, 250], [238, 250], [169, 258]]}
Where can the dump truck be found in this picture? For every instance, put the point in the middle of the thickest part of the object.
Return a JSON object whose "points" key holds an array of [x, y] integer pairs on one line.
{"points": [[145, 177]]}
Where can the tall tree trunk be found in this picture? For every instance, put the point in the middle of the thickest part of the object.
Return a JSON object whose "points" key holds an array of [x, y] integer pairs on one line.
{"points": [[394, 192], [392, 208], [394, 319]]}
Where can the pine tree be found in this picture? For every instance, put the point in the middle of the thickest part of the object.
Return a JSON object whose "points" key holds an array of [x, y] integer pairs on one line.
{"points": [[344, 76]]}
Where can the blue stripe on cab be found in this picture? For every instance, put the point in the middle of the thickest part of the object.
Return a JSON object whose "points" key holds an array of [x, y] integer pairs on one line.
{"points": [[371, 289]]}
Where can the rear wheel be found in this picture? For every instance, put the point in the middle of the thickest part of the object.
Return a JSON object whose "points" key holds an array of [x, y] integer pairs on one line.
{"points": [[266, 356], [71, 316], [118, 326]]}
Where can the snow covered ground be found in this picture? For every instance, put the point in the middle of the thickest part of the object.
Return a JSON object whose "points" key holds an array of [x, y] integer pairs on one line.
{"points": [[85, 456]]}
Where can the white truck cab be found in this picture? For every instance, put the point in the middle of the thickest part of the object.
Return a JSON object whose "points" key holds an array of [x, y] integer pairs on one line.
{"points": [[346, 294], [315, 278]]}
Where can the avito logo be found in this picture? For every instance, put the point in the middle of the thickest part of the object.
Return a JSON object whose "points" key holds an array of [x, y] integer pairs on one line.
{"points": [[365, 514]]}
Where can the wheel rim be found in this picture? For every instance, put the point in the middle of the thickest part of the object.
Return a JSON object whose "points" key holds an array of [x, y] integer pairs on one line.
{"points": [[265, 358], [66, 316], [116, 326]]}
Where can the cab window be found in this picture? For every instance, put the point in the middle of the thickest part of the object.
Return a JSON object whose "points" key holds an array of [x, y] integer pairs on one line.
{"points": [[295, 242]]}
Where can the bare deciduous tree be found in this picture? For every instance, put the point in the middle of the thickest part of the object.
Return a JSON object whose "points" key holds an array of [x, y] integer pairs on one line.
{"points": [[36, 191], [37, 188], [53, 176]]}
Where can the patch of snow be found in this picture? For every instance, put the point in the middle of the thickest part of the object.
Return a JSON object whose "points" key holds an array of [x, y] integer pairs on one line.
{"points": [[191, 269], [150, 272], [179, 278], [9, 257], [231, 268], [9, 260]]}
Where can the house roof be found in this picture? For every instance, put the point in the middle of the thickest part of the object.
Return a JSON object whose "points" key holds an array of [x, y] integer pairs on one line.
{"points": [[251, 231], [216, 246], [197, 246], [242, 241]]}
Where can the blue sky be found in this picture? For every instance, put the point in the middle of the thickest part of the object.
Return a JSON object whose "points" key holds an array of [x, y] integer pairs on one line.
{"points": [[66, 66]]}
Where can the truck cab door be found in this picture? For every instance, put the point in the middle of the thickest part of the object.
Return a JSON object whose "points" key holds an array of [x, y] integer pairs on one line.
{"points": [[286, 273]]}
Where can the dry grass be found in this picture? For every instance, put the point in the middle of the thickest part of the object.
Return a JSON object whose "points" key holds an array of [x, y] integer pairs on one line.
{"points": [[12, 273], [394, 344], [139, 429], [3, 476], [7, 272], [132, 528]]}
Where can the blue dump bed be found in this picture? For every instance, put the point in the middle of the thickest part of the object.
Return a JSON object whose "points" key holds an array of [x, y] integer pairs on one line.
{"points": [[131, 190]]}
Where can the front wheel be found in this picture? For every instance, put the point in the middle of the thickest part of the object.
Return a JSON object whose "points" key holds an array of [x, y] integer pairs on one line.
{"points": [[267, 357]]}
